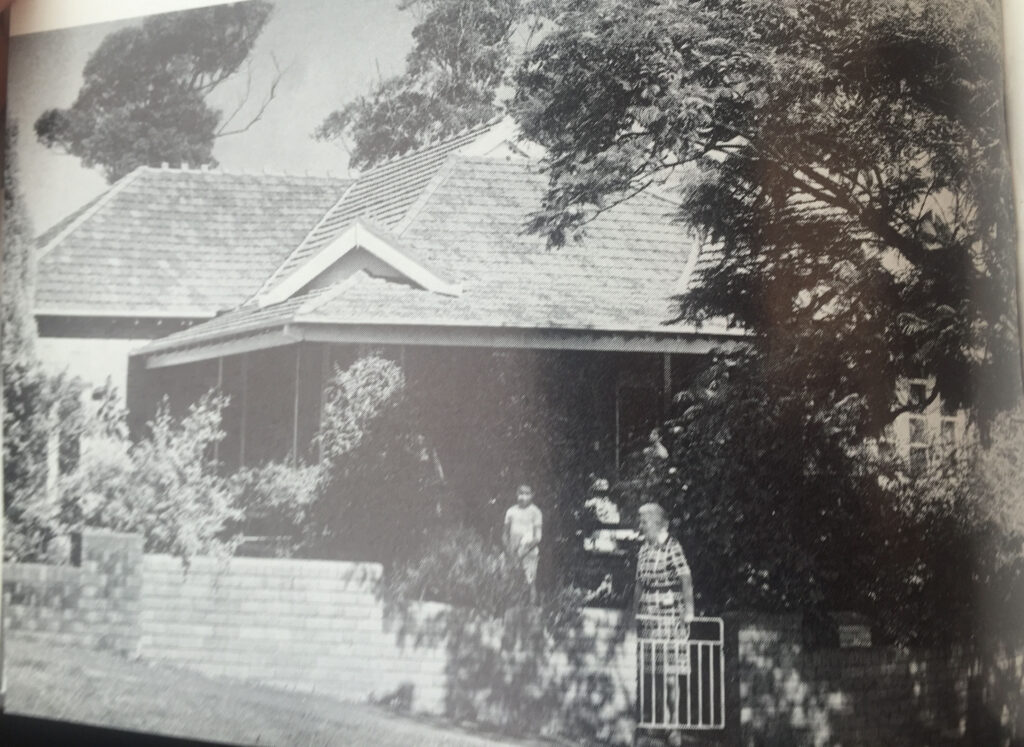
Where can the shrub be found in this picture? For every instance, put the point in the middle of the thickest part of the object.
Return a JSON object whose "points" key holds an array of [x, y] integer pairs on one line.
{"points": [[463, 570], [358, 399], [166, 487], [277, 499], [500, 648], [379, 487]]}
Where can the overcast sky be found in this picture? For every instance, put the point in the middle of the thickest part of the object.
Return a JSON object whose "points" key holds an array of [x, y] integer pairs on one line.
{"points": [[332, 49]]}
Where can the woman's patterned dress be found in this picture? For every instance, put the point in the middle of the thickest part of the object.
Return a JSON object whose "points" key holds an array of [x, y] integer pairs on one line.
{"points": [[664, 603]]}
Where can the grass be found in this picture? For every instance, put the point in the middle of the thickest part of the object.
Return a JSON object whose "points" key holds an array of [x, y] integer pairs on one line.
{"points": [[104, 689]]}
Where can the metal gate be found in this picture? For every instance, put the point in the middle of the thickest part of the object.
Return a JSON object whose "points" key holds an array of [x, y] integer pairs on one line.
{"points": [[681, 680]]}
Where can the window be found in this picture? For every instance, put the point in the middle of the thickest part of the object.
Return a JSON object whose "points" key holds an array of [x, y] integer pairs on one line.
{"points": [[918, 443], [918, 430], [948, 433], [918, 394], [918, 459]]}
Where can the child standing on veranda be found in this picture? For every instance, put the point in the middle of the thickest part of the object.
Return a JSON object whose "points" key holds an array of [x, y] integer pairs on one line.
{"points": [[522, 535]]}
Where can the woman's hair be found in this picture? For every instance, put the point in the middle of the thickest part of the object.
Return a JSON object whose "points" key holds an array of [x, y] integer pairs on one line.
{"points": [[655, 511]]}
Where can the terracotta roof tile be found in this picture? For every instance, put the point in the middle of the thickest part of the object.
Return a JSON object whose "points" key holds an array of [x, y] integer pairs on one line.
{"points": [[177, 242], [384, 194]]}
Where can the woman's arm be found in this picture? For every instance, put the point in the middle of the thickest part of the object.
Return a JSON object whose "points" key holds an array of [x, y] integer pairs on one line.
{"points": [[684, 580]]}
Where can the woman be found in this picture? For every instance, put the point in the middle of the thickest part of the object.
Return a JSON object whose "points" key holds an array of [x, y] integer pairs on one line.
{"points": [[663, 603]]}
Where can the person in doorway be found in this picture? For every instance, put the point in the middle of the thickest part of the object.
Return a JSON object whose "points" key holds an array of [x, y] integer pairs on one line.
{"points": [[655, 450], [663, 605], [522, 535]]}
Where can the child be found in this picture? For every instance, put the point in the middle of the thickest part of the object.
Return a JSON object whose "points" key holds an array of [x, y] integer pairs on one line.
{"points": [[523, 525]]}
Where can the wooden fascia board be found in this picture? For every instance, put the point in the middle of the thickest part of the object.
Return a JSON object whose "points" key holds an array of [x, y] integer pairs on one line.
{"points": [[539, 339], [450, 336], [111, 327], [88, 313], [224, 348]]}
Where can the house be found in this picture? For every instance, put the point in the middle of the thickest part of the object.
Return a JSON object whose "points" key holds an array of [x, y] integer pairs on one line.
{"points": [[178, 281], [261, 284], [264, 286], [928, 431], [427, 257]]}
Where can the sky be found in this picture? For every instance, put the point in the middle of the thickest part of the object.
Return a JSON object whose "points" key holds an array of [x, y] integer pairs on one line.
{"points": [[330, 50]]}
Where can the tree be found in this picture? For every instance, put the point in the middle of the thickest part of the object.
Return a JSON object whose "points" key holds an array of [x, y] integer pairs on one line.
{"points": [[43, 418], [34, 402], [749, 463], [847, 158], [19, 327], [462, 49], [143, 100]]}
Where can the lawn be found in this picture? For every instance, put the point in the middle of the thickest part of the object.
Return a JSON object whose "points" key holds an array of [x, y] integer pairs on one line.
{"points": [[100, 688]]}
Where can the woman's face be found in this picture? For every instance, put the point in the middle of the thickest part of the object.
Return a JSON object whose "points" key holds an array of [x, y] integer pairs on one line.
{"points": [[649, 526]]}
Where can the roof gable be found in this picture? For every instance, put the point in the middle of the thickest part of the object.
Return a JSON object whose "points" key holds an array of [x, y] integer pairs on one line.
{"points": [[362, 234], [385, 194]]}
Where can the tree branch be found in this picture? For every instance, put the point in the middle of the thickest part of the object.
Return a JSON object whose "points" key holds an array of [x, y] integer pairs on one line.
{"points": [[271, 95]]}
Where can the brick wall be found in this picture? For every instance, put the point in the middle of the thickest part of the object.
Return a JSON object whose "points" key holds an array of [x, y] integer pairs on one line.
{"points": [[305, 625], [320, 626], [595, 675], [787, 694], [91, 603]]}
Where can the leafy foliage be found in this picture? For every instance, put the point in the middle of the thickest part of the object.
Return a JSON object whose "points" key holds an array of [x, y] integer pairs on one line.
{"points": [[143, 100], [165, 487], [464, 570], [923, 555], [377, 495], [36, 405], [750, 462], [357, 399], [34, 402], [19, 328], [960, 532], [848, 159], [277, 499], [461, 51]]}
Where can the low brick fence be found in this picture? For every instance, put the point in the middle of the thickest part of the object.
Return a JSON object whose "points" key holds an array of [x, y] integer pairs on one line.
{"points": [[320, 626], [297, 624], [788, 694], [92, 603]]}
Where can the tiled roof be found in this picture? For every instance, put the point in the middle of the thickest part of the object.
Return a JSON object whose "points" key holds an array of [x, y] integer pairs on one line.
{"points": [[175, 242], [470, 223], [383, 194]]}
